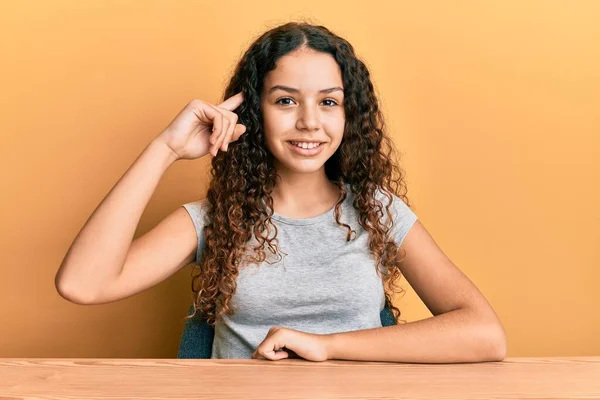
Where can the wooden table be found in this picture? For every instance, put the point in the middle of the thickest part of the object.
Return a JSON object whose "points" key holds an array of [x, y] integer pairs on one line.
{"points": [[106, 378]]}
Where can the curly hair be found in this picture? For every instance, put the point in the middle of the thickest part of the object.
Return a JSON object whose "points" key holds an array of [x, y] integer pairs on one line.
{"points": [[240, 202]]}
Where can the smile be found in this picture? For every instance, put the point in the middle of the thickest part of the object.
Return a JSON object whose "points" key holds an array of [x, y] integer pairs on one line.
{"points": [[310, 150]]}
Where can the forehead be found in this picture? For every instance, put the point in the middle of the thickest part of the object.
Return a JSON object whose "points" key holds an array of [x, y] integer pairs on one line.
{"points": [[309, 71]]}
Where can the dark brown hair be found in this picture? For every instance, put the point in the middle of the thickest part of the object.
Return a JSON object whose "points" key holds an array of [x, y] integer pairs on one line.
{"points": [[242, 179]]}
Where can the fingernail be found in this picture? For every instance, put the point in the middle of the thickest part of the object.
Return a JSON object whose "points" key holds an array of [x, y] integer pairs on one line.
{"points": [[226, 146]]}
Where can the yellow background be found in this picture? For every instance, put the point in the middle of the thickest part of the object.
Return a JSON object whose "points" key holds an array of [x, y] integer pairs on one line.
{"points": [[493, 104]]}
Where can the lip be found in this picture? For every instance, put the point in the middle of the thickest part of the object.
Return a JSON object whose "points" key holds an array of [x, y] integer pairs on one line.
{"points": [[306, 152]]}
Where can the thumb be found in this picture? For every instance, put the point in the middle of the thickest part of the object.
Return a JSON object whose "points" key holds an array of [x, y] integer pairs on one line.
{"points": [[239, 131]]}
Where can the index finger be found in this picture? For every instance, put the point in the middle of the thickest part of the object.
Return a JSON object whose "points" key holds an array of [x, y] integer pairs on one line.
{"points": [[233, 102]]}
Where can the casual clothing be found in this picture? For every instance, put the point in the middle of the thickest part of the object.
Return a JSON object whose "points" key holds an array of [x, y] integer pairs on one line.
{"points": [[323, 284]]}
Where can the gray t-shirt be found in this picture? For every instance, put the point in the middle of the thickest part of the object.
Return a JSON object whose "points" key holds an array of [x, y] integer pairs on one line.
{"points": [[323, 285]]}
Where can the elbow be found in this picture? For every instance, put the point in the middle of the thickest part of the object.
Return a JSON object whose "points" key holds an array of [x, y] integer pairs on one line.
{"points": [[495, 343], [68, 293], [490, 339], [501, 345]]}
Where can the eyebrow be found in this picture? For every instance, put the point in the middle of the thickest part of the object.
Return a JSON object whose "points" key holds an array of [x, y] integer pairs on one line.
{"points": [[293, 90]]}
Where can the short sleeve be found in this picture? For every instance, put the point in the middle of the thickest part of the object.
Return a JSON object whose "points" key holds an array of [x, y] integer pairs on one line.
{"points": [[404, 218], [197, 211]]}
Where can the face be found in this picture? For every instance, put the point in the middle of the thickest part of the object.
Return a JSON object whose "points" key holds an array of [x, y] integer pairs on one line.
{"points": [[302, 101]]}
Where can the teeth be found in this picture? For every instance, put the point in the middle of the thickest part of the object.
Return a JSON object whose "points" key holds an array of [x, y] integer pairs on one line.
{"points": [[305, 145]]}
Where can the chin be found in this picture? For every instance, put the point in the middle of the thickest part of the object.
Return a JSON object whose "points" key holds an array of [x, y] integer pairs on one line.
{"points": [[302, 166]]}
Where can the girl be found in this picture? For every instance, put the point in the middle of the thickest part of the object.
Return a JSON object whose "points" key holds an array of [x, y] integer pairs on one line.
{"points": [[305, 227]]}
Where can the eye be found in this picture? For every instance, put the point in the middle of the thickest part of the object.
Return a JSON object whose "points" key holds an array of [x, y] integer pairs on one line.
{"points": [[283, 98], [334, 103]]}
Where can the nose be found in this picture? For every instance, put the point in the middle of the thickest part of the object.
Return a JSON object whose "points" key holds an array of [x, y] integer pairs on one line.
{"points": [[308, 118]]}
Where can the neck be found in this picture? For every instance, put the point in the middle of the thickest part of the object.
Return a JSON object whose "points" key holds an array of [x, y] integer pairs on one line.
{"points": [[304, 195]]}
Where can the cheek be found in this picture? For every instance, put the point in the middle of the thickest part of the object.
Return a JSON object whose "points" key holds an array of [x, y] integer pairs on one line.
{"points": [[275, 122], [272, 130], [335, 127]]}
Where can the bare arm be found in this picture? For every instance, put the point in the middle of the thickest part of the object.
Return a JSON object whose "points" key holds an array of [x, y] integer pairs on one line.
{"points": [[464, 326], [99, 252], [103, 264]]}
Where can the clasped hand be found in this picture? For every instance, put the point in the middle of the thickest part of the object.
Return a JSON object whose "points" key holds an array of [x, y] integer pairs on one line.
{"points": [[279, 341]]}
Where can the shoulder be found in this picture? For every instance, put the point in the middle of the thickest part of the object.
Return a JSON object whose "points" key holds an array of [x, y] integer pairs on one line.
{"points": [[197, 211], [403, 217], [195, 208]]}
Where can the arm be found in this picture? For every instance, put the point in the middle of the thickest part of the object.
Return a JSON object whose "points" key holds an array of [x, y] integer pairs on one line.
{"points": [[464, 327], [96, 257]]}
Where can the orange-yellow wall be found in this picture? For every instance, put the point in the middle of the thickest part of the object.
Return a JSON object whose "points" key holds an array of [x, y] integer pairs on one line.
{"points": [[494, 104]]}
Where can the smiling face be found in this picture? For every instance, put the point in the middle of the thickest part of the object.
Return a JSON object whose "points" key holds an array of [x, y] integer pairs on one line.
{"points": [[302, 101]]}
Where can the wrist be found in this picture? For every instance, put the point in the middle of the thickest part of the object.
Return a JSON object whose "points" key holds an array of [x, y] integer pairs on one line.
{"points": [[329, 343], [164, 150]]}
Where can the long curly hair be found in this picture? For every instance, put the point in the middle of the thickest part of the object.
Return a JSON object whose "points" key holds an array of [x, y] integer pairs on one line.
{"points": [[243, 178]]}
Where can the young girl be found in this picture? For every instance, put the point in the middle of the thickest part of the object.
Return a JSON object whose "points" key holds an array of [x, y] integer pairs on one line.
{"points": [[306, 226]]}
